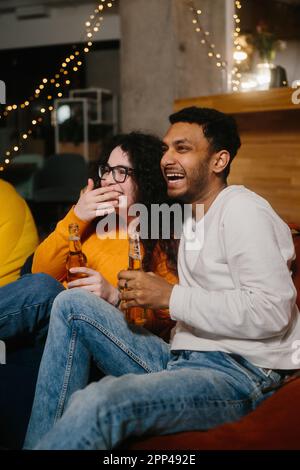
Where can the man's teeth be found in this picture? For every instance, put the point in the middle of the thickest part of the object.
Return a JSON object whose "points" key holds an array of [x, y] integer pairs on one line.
{"points": [[174, 176]]}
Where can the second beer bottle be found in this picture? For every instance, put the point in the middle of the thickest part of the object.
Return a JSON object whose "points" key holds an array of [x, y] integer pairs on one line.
{"points": [[136, 315]]}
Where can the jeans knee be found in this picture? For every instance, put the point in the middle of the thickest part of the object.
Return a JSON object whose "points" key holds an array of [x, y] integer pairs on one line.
{"points": [[82, 301], [36, 289], [86, 401], [72, 297], [78, 304], [106, 394], [45, 283], [62, 304], [69, 301]]}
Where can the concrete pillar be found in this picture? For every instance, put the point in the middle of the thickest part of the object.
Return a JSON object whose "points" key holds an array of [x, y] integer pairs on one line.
{"points": [[147, 63], [162, 58]]}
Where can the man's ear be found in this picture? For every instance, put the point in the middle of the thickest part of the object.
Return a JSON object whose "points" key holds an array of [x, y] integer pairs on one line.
{"points": [[220, 161]]}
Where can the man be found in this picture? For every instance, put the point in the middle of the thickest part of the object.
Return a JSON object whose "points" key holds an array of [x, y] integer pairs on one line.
{"points": [[234, 305]]}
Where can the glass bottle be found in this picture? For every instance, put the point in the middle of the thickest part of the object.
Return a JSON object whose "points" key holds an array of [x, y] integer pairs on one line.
{"points": [[135, 315], [76, 258]]}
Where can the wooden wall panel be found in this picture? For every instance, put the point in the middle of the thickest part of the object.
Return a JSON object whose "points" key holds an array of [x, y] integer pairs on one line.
{"points": [[269, 160]]}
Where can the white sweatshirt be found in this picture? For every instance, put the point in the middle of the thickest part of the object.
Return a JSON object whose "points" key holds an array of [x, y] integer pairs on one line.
{"points": [[236, 293]]}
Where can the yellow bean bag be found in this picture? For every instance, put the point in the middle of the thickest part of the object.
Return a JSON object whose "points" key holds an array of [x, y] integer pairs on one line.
{"points": [[18, 234]]}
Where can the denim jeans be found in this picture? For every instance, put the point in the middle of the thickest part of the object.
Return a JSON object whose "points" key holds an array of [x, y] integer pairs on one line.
{"points": [[25, 307], [148, 389]]}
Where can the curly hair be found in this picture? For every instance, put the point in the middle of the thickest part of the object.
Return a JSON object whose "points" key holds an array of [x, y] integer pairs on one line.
{"points": [[145, 152]]}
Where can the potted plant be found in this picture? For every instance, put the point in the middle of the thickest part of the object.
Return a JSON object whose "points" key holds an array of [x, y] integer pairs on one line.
{"points": [[265, 43]]}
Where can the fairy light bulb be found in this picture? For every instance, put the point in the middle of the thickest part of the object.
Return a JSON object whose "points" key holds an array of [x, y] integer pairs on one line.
{"points": [[204, 35], [239, 55], [93, 24]]}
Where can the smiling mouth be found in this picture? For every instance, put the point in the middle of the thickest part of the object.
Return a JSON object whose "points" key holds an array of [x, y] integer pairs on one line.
{"points": [[174, 176]]}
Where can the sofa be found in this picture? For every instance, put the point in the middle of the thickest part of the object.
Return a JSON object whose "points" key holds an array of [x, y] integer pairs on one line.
{"points": [[274, 425]]}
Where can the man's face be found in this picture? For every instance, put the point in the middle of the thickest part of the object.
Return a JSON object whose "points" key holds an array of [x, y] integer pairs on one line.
{"points": [[186, 162]]}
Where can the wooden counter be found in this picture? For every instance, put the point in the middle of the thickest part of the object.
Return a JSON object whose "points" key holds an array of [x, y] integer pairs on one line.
{"points": [[269, 159]]}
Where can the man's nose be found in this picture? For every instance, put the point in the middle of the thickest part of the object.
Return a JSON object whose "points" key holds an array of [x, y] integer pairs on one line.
{"points": [[168, 158]]}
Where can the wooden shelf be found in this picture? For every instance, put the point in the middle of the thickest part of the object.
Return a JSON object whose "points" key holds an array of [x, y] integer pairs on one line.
{"points": [[276, 99]]}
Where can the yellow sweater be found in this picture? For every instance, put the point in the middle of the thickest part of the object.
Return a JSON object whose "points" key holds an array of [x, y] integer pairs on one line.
{"points": [[108, 257], [18, 235]]}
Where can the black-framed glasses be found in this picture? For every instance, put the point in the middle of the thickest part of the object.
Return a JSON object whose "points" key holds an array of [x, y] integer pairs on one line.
{"points": [[120, 173]]}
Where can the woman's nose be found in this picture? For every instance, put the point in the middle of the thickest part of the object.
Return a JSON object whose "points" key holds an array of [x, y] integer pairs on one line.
{"points": [[108, 180]]}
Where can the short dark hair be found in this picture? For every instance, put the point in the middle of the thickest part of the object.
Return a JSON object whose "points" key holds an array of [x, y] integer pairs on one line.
{"points": [[220, 129]]}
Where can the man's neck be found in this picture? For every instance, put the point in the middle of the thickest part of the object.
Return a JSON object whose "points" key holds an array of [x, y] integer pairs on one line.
{"points": [[208, 198]]}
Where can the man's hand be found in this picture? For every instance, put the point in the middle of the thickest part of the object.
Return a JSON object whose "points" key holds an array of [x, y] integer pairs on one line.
{"points": [[144, 290], [97, 202], [94, 282]]}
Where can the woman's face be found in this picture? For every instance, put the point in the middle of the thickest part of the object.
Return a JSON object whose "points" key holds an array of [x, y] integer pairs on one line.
{"points": [[129, 188]]}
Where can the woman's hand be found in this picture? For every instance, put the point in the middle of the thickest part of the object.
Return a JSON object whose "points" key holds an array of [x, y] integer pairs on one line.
{"points": [[94, 282], [97, 202]]}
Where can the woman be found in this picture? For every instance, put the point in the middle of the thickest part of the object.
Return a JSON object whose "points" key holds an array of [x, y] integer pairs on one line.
{"points": [[137, 176], [131, 168]]}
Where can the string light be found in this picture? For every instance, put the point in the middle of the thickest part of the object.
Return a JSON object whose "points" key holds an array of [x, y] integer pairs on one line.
{"points": [[220, 63], [68, 59], [238, 55], [92, 27]]}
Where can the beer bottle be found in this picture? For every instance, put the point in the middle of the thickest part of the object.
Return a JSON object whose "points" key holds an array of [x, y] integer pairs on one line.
{"points": [[76, 258], [136, 315]]}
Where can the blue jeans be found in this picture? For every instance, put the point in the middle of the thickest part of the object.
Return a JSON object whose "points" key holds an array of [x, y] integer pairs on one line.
{"points": [[25, 307], [148, 390]]}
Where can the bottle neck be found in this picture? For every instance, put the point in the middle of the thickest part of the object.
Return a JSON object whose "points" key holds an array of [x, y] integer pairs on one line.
{"points": [[74, 244], [135, 259]]}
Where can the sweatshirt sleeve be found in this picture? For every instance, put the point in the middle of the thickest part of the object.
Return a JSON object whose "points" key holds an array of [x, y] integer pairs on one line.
{"points": [[262, 300], [50, 256]]}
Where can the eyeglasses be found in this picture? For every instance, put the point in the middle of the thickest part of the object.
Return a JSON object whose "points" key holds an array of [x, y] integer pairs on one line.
{"points": [[120, 173]]}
